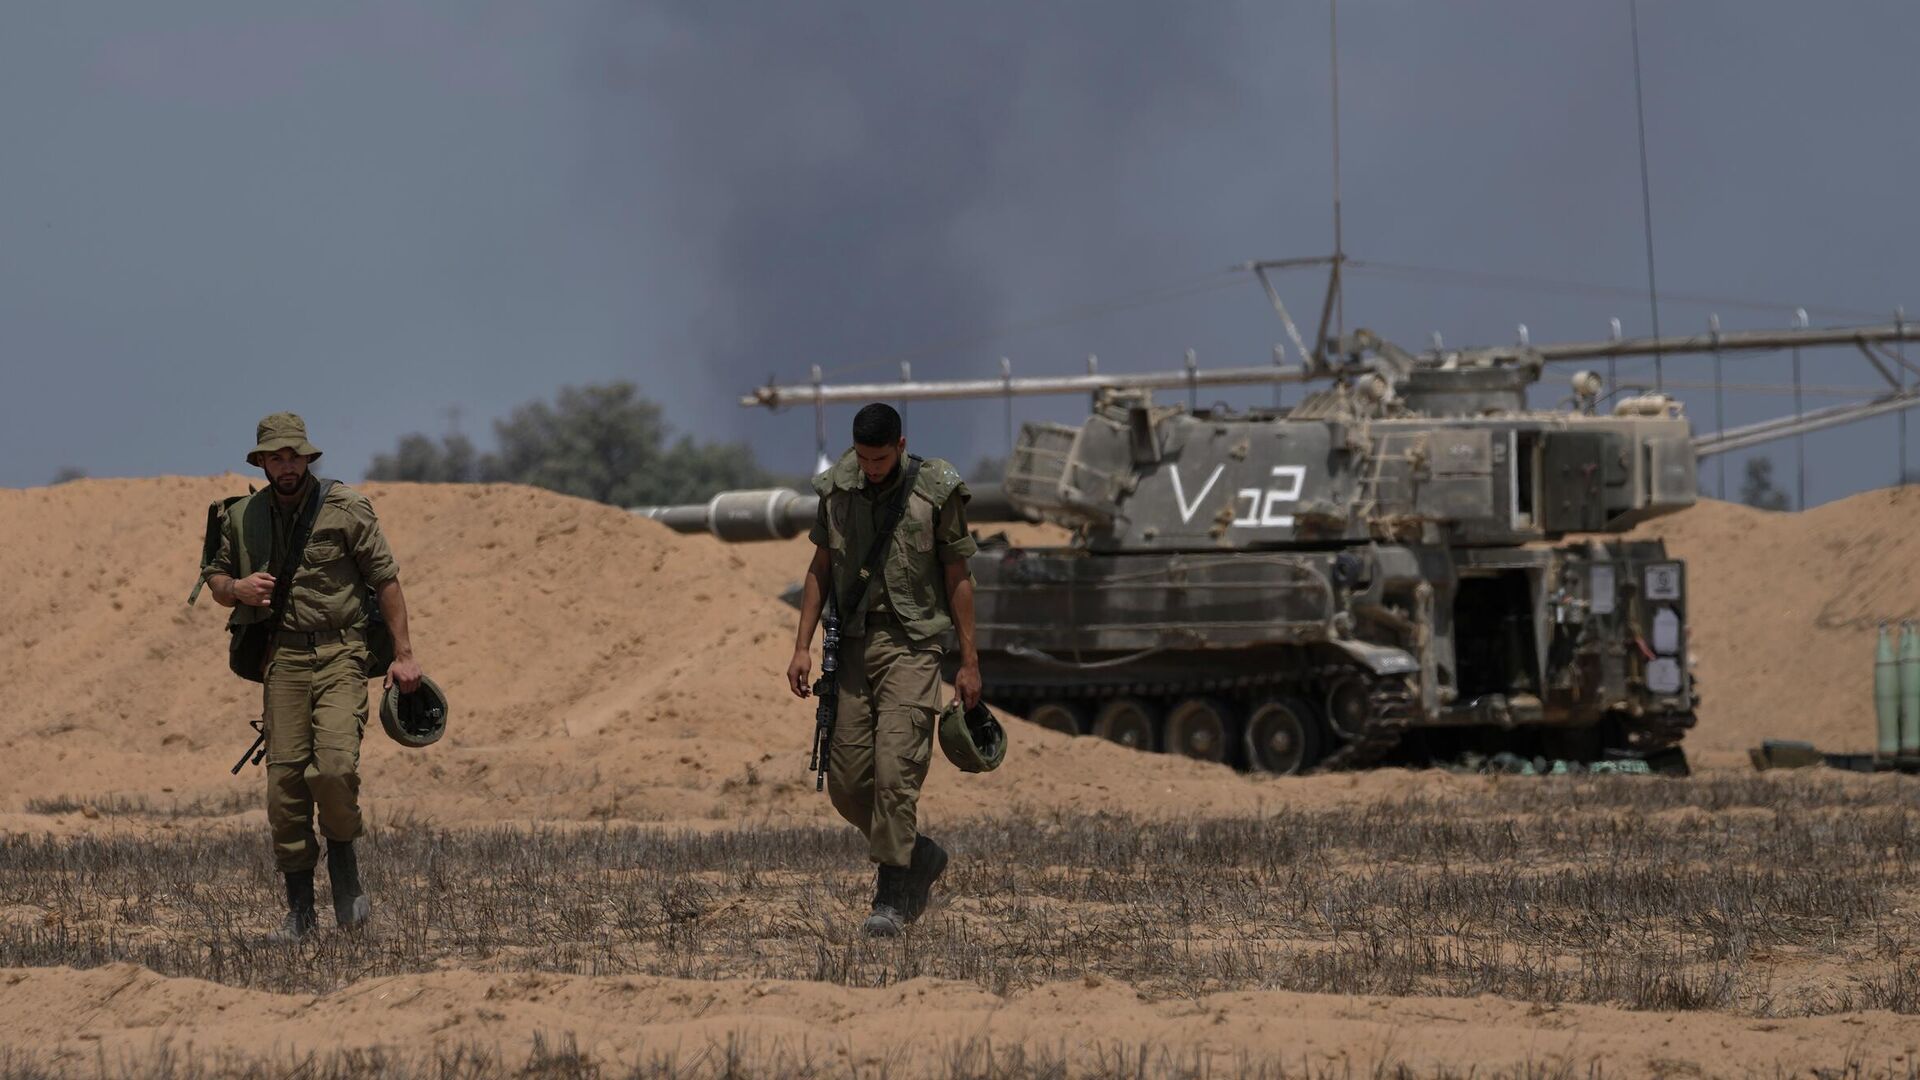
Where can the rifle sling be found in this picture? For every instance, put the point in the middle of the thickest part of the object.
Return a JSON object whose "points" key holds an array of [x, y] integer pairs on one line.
{"points": [[295, 554]]}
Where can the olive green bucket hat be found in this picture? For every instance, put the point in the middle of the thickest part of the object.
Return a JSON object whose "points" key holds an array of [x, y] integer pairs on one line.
{"points": [[282, 431]]}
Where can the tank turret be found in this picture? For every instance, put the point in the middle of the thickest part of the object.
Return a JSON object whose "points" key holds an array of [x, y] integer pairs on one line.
{"points": [[1432, 454]]}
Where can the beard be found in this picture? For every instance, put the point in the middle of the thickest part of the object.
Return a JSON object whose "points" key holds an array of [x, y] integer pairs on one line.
{"points": [[290, 483]]}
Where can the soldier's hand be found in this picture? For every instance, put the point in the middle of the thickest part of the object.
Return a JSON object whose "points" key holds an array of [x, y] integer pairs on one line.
{"points": [[255, 590], [798, 672], [405, 674], [966, 683]]}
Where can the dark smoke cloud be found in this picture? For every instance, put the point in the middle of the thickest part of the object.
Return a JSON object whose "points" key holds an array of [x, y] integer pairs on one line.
{"points": [[827, 161], [214, 209]]}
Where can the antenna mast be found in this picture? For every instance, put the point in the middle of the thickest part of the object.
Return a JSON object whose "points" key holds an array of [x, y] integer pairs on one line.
{"points": [[1646, 192], [1339, 249]]}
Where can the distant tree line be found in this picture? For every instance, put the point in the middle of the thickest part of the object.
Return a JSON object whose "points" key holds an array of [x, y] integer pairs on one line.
{"points": [[1757, 489], [605, 443]]}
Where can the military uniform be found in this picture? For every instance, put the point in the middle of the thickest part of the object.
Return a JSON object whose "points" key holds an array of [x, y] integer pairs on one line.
{"points": [[315, 688], [889, 678]]}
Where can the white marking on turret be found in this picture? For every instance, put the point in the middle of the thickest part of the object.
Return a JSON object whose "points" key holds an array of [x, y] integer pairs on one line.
{"points": [[1260, 504], [1187, 509]]}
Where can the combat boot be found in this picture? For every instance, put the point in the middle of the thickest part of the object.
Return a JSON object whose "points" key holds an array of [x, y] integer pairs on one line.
{"points": [[888, 918], [300, 917], [351, 907], [929, 862]]}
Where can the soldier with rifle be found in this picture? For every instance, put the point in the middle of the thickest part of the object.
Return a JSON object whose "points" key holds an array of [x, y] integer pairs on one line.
{"points": [[889, 573], [317, 610]]}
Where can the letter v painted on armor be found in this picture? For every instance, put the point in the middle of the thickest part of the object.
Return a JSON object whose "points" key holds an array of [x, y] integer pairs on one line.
{"points": [[1187, 509]]}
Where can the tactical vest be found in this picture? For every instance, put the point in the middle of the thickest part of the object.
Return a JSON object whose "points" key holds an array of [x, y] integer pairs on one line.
{"points": [[913, 584]]}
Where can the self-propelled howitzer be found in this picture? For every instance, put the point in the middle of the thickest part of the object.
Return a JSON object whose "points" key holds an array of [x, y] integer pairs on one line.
{"points": [[1410, 560], [1308, 586]]}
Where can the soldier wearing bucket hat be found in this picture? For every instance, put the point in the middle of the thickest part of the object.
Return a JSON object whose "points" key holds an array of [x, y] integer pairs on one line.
{"points": [[336, 613]]}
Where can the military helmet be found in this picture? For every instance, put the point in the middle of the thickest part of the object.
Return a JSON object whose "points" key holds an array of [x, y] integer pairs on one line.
{"points": [[416, 719], [972, 738]]}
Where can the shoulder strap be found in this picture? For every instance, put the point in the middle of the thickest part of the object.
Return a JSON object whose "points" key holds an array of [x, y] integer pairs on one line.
{"points": [[877, 554], [296, 552]]}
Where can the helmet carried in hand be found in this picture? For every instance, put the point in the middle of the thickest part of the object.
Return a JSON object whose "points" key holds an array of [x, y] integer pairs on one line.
{"points": [[972, 738], [416, 719]]}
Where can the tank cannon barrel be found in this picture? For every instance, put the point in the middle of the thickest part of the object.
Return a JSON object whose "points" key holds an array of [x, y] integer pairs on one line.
{"points": [[782, 513], [735, 516]]}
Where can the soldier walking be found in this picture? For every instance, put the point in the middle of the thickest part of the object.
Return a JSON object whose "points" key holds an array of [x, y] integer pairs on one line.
{"points": [[915, 601], [315, 671]]}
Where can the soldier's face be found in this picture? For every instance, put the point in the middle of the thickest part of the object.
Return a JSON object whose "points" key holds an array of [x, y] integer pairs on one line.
{"points": [[877, 462], [285, 470]]}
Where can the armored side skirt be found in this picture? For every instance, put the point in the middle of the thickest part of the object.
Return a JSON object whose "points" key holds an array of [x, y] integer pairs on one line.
{"points": [[1064, 602]]}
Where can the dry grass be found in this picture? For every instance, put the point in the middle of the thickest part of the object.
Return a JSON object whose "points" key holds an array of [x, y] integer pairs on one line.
{"points": [[964, 1059], [226, 804], [1761, 895]]}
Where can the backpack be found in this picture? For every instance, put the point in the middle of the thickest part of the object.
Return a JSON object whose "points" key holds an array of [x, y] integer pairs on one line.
{"points": [[210, 542]]}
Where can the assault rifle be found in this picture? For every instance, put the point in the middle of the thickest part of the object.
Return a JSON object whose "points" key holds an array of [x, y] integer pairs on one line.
{"points": [[255, 752], [826, 693]]}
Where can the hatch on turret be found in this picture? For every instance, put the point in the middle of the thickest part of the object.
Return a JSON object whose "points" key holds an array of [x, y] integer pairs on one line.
{"points": [[1574, 467]]}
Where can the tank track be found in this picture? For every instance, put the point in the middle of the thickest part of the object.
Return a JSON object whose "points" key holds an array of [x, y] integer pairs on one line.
{"points": [[1651, 733], [1394, 705], [1393, 708], [1654, 732]]}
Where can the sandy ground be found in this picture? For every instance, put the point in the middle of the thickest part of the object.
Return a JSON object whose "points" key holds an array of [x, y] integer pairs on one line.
{"points": [[122, 1012], [1784, 612], [604, 669], [600, 668]]}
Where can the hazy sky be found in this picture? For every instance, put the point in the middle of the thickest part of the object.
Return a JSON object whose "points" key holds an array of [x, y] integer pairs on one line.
{"points": [[377, 214]]}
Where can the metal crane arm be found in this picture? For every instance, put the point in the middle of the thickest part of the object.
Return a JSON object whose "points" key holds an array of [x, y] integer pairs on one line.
{"points": [[776, 396], [1740, 438]]}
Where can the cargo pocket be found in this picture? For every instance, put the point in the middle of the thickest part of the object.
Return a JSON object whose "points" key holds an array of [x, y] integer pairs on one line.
{"points": [[900, 751], [919, 749], [369, 701], [904, 733]]}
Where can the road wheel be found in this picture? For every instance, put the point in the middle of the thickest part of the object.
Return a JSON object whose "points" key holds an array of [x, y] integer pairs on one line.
{"points": [[1203, 728], [1349, 707], [1283, 736], [1129, 722], [1067, 717]]}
